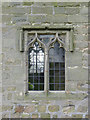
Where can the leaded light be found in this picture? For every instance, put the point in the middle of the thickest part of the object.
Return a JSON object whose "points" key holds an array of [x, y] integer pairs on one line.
{"points": [[56, 68], [36, 68], [46, 62]]}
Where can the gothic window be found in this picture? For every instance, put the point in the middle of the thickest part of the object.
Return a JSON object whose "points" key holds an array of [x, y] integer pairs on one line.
{"points": [[46, 62]]}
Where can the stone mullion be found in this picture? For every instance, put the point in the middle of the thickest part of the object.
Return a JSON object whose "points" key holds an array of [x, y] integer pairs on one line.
{"points": [[46, 72]]}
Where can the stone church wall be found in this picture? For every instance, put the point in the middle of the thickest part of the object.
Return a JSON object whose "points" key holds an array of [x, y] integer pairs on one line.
{"points": [[74, 102]]}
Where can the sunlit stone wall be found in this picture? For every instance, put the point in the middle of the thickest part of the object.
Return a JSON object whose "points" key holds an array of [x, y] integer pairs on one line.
{"points": [[71, 104]]}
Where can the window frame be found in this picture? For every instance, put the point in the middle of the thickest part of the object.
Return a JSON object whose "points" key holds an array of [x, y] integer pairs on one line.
{"points": [[68, 47]]}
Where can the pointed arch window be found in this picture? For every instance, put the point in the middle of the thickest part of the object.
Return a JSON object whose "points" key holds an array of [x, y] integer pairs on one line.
{"points": [[46, 63]]}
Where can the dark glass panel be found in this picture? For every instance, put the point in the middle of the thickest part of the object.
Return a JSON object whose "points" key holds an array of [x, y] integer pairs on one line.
{"points": [[36, 87], [62, 79], [62, 87], [56, 73], [62, 65], [41, 79], [62, 73], [57, 79], [35, 79], [30, 79], [51, 79], [51, 73], [51, 86], [41, 74], [57, 67], [41, 86], [57, 87], [51, 65]]}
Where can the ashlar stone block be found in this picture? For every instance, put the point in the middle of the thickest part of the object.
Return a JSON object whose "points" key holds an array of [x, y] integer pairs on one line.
{"points": [[53, 108], [35, 115], [68, 109], [29, 109], [19, 109], [45, 115], [41, 108]]}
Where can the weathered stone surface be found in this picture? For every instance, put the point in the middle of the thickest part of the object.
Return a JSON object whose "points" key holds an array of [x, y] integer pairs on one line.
{"points": [[71, 86], [53, 108], [48, 18], [7, 108], [5, 115], [25, 115], [72, 60], [82, 108], [42, 10], [34, 115], [17, 19], [65, 116], [15, 115], [29, 109], [44, 4], [69, 4], [69, 103], [28, 3], [75, 95], [13, 4], [45, 115], [81, 37], [55, 116], [48, 102], [68, 109], [84, 10], [82, 87], [86, 116], [57, 18], [72, 10], [5, 75], [81, 44], [72, 73], [35, 102], [77, 115], [81, 29], [1, 108], [9, 96], [19, 109], [16, 10], [36, 18], [41, 108], [59, 10], [11, 88], [6, 19], [77, 18]]}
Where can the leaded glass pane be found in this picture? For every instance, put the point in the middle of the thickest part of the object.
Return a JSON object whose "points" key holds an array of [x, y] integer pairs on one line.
{"points": [[57, 68], [36, 68]]}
